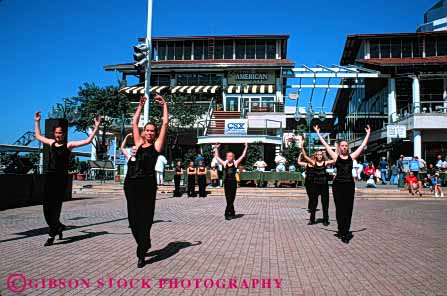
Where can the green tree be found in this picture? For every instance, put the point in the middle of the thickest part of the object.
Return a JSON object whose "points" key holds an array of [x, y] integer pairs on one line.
{"points": [[93, 100], [253, 155]]}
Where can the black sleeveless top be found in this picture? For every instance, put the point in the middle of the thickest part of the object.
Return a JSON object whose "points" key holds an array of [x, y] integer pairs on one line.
{"points": [[145, 163], [200, 169], [131, 167], [58, 159], [309, 175], [344, 170], [230, 173], [319, 174], [178, 169]]}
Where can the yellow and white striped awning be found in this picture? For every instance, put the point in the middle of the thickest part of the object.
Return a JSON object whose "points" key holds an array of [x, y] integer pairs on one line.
{"points": [[139, 90], [251, 89], [193, 89]]}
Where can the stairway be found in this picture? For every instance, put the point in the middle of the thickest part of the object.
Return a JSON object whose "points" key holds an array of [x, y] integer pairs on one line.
{"points": [[217, 124]]}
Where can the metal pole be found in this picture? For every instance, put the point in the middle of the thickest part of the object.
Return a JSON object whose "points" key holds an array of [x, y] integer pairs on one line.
{"points": [[147, 84]]}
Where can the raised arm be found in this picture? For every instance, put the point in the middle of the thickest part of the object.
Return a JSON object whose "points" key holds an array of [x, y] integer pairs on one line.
{"points": [[123, 146], [300, 162], [329, 150], [160, 142], [90, 138], [216, 154], [242, 156], [136, 120], [358, 151], [37, 133], [303, 152]]}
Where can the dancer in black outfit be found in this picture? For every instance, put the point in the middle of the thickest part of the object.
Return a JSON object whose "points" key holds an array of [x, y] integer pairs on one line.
{"points": [[319, 185], [178, 175], [56, 174], [201, 178], [191, 173], [307, 179], [230, 184], [142, 187], [131, 168], [343, 187]]}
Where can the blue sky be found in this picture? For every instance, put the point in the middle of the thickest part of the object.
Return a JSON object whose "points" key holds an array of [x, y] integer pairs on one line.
{"points": [[51, 47]]}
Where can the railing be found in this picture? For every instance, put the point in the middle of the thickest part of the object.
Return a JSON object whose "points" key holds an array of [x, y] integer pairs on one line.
{"points": [[262, 107], [264, 127], [422, 107], [209, 114]]}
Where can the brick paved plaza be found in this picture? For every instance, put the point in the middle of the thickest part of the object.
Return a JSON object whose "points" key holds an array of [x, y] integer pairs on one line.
{"points": [[399, 248]]}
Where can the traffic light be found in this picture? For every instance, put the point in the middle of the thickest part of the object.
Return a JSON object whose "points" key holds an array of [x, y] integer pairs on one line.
{"points": [[141, 56]]}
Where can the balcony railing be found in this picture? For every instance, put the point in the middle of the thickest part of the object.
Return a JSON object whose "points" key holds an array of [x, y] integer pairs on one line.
{"points": [[423, 107]]}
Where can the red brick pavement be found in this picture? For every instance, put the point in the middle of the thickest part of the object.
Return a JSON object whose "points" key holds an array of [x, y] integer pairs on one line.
{"points": [[399, 248]]}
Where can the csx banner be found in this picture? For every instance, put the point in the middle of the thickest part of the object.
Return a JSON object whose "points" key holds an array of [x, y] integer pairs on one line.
{"points": [[236, 127]]}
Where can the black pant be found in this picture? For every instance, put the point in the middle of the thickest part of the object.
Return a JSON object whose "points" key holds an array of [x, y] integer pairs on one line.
{"points": [[309, 195], [202, 185], [191, 185], [54, 193], [323, 191], [344, 204], [177, 185], [230, 187], [140, 196]]}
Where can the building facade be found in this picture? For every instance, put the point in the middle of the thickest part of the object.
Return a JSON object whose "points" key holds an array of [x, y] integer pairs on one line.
{"points": [[236, 79], [413, 96], [435, 19]]}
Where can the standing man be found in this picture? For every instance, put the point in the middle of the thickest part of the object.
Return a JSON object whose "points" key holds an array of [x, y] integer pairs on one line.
{"points": [[414, 166], [383, 166], [160, 168]]}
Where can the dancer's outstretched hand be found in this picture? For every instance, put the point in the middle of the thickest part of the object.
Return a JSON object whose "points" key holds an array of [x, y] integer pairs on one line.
{"points": [[216, 146], [160, 100], [317, 129], [368, 129], [142, 101], [246, 145], [37, 116], [97, 120]]}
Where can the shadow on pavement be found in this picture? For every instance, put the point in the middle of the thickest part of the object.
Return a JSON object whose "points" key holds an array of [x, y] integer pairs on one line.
{"points": [[169, 250], [73, 239]]}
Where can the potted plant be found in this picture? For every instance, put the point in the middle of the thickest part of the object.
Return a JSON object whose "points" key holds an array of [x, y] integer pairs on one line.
{"points": [[81, 176]]}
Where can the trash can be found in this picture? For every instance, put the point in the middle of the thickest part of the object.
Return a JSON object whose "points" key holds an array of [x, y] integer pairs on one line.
{"points": [[401, 182]]}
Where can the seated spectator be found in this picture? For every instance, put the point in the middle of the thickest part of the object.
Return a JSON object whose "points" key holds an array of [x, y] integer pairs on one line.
{"points": [[427, 183], [413, 184], [369, 170], [371, 183]]}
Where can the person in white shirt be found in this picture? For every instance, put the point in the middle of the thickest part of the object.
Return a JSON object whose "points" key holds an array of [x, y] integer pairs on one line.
{"points": [[260, 165], [160, 168], [280, 163], [216, 164]]}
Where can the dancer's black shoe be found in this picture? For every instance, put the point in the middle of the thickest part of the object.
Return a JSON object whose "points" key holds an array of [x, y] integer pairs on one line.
{"points": [[228, 217], [326, 222], [62, 227], [141, 263], [49, 241], [345, 239]]}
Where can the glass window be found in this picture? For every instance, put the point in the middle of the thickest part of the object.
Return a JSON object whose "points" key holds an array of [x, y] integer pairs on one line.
{"points": [[161, 51], [417, 49], [260, 49], [268, 104], [430, 47], [406, 48], [228, 49], [198, 50], [250, 49], [187, 50], [271, 49], [170, 46], [240, 49], [374, 50], [385, 49], [218, 50], [179, 50], [395, 48], [205, 50], [203, 79], [442, 47]]}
